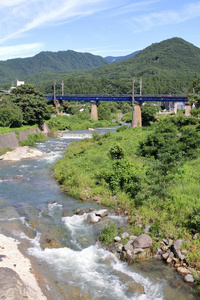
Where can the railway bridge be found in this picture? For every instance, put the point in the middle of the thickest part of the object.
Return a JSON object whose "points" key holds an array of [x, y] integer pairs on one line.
{"points": [[136, 101]]}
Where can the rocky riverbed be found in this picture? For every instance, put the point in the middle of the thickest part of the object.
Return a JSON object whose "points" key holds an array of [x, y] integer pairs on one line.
{"points": [[131, 248], [16, 277], [21, 153]]}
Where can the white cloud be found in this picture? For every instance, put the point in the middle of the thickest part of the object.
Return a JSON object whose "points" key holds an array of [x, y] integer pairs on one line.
{"points": [[19, 16], [22, 50], [187, 12], [134, 7]]}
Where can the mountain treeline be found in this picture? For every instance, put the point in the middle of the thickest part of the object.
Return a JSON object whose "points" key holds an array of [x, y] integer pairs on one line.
{"points": [[48, 62], [166, 67]]}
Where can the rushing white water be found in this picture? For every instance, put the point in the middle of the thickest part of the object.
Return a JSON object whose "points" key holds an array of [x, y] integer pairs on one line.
{"points": [[93, 268]]}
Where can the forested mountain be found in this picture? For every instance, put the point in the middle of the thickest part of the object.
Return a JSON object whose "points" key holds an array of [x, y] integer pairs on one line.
{"points": [[165, 67], [48, 62], [120, 58]]}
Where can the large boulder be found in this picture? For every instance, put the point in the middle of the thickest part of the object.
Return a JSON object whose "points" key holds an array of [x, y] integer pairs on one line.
{"points": [[11, 285], [143, 241], [102, 213], [92, 218]]}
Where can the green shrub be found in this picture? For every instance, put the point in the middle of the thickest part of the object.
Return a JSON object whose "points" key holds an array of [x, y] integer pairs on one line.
{"points": [[11, 117], [116, 152], [32, 139], [108, 233]]}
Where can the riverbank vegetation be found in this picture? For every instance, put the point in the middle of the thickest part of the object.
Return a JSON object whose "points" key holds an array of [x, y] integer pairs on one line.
{"points": [[152, 173]]}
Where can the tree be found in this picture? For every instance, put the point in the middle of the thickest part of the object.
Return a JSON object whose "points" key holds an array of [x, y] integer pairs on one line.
{"points": [[32, 104], [148, 114], [11, 117]]}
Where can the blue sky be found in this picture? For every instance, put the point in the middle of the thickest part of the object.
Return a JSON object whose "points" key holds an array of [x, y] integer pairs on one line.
{"points": [[101, 27]]}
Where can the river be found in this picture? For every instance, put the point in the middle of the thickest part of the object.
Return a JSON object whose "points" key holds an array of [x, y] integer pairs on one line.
{"points": [[63, 246]]}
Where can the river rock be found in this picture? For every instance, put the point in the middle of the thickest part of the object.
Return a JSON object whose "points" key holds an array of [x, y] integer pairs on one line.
{"points": [[147, 229], [183, 271], [136, 288], [22, 153], [124, 235], [138, 250], [11, 285], [170, 258], [102, 213], [92, 218], [128, 246], [143, 241], [129, 256], [165, 255], [189, 278], [117, 239], [176, 249]]}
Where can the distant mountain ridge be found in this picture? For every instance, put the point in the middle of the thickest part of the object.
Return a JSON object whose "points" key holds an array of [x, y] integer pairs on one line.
{"points": [[112, 59], [165, 67], [48, 62]]}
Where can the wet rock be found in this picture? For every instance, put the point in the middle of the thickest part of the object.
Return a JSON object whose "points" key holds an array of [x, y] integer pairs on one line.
{"points": [[50, 243], [138, 250], [117, 239], [165, 255], [189, 278], [92, 218], [183, 271], [158, 256], [119, 247], [11, 285], [102, 213], [143, 241], [136, 288], [170, 258], [129, 256], [123, 255], [128, 246]]}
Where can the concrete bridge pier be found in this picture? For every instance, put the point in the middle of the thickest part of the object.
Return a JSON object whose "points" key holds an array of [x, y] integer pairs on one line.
{"points": [[137, 115], [94, 110], [188, 107]]}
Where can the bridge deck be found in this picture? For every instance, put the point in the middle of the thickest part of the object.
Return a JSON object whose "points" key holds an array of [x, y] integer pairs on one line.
{"points": [[138, 98]]}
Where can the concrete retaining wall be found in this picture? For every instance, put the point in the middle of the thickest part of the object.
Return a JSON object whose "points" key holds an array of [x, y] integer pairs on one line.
{"points": [[9, 140], [23, 135]]}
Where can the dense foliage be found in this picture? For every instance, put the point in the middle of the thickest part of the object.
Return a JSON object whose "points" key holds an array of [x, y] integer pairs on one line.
{"points": [[24, 106], [152, 172], [77, 122]]}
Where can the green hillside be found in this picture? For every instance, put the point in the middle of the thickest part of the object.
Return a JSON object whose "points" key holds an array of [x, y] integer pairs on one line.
{"points": [[48, 62], [165, 67]]}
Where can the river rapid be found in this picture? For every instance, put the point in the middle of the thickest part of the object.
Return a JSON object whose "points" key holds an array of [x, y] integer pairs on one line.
{"points": [[62, 245]]}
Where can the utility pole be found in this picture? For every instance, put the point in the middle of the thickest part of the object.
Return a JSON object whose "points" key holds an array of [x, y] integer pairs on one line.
{"points": [[54, 90], [62, 84], [140, 86], [133, 91]]}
